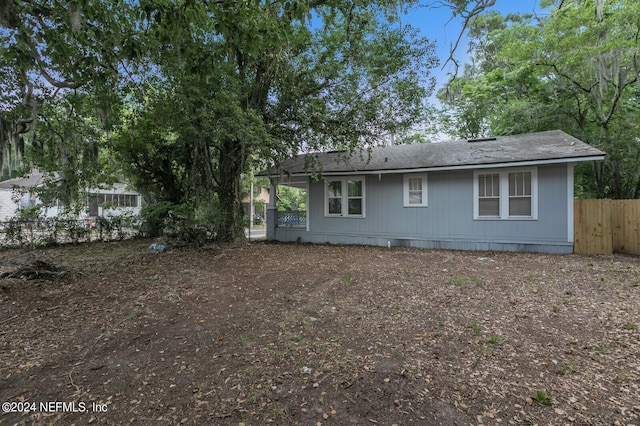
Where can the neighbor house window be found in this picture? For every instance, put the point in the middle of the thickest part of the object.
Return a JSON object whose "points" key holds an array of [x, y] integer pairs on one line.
{"points": [[505, 194], [116, 200], [345, 197], [415, 190]]}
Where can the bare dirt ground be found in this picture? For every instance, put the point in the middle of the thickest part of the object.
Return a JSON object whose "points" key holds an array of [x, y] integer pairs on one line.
{"points": [[111, 333]]}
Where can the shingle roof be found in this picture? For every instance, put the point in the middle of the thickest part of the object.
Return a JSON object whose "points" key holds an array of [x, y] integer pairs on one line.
{"points": [[34, 179], [553, 146], [37, 179]]}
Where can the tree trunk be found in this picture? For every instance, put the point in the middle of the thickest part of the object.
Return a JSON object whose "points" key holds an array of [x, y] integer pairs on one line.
{"points": [[231, 161]]}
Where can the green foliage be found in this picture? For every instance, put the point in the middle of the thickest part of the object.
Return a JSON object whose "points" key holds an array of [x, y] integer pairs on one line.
{"points": [[494, 338], [219, 103], [348, 279], [572, 70], [32, 229], [541, 397], [62, 64], [19, 230], [183, 97], [154, 216], [458, 280], [116, 227], [180, 222], [292, 198], [475, 327]]}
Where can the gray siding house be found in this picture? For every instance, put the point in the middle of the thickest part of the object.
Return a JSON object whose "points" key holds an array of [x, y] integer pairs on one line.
{"points": [[512, 193]]}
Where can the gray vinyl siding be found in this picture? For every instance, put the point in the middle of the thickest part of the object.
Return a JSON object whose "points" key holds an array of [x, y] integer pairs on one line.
{"points": [[448, 220]]}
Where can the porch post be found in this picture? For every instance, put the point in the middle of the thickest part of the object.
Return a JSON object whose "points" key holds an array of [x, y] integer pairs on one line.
{"points": [[272, 212]]}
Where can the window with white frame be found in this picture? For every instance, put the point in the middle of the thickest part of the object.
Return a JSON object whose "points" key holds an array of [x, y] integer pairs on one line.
{"points": [[334, 197], [489, 194], [345, 197], [415, 190], [116, 200], [506, 194], [520, 194]]}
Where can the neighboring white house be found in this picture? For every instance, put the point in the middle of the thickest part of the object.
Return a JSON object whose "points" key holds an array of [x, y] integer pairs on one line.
{"points": [[10, 199], [22, 193], [113, 201]]}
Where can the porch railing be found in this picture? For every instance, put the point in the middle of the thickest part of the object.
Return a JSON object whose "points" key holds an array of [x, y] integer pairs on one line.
{"points": [[292, 218]]}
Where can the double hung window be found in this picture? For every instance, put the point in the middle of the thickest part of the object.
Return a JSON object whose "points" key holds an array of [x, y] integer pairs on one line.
{"points": [[345, 197], [505, 194], [415, 190]]}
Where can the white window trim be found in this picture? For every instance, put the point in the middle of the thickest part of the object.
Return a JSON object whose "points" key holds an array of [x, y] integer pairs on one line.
{"points": [[504, 194], [345, 196], [405, 190]]}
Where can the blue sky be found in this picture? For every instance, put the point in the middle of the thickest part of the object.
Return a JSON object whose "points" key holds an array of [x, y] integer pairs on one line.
{"points": [[433, 23]]}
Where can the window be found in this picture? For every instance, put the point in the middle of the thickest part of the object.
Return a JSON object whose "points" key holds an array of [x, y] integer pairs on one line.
{"points": [[415, 190], [116, 200], [354, 197], [489, 194], [334, 190], [508, 194], [520, 194], [345, 197]]}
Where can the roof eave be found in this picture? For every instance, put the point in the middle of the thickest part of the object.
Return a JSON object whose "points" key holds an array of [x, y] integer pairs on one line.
{"points": [[445, 168]]}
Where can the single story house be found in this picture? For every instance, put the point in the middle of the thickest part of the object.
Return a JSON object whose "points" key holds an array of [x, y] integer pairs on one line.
{"points": [[511, 193], [21, 193]]}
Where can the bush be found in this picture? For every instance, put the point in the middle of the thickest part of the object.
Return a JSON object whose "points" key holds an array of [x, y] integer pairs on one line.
{"points": [[182, 222], [30, 228]]}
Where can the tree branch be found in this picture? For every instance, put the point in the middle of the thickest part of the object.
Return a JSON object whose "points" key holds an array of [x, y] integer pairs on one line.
{"points": [[467, 15], [22, 124], [66, 84], [565, 76]]}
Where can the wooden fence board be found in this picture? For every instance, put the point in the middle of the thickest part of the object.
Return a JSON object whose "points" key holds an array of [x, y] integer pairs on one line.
{"points": [[626, 219], [618, 225], [592, 227], [607, 226]]}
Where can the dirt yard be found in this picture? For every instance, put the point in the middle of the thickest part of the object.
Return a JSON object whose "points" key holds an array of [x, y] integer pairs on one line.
{"points": [[112, 333]]}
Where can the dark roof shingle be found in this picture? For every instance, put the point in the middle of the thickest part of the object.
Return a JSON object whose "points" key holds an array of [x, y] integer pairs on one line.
{"points": [[542, 147]]}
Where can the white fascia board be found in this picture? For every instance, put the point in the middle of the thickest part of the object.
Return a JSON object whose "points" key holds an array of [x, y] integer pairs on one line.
{"points": [[451, 168]]}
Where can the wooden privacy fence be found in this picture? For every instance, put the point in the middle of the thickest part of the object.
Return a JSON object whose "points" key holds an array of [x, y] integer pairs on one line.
{"points": [[606, 226]]}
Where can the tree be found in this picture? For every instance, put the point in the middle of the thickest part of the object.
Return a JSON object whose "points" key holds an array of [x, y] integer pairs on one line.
{"points": [[251, 80], [63, 61], [572, 70], [469, 10], [205, 88]]}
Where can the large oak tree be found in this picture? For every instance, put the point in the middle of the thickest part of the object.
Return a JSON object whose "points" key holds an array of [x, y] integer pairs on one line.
{"points": [[205, 88]]}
